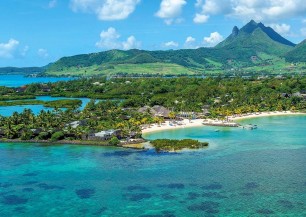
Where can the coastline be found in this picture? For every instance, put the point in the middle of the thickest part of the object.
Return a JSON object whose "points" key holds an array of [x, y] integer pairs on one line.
{"points": [[131, 144], [264, 114], [199, 122], [167, 126]]}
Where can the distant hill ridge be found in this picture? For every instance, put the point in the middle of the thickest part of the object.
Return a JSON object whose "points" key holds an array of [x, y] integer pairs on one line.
{"points": [[298, 54], [254, 45]]}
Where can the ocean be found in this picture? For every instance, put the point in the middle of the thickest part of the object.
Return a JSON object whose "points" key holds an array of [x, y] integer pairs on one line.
{"points": [[242, 173]]}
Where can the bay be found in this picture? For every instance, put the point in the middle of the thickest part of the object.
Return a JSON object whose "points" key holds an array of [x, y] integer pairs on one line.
{"points": [[242, 173], [20, 80], [9, 110]]}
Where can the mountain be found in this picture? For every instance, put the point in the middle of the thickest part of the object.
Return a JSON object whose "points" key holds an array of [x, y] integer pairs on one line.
{"points": [[255, 38], [254, 45], [298, 54]]}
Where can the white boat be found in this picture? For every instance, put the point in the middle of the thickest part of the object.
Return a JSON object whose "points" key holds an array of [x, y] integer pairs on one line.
{"points": [[250, 127]]}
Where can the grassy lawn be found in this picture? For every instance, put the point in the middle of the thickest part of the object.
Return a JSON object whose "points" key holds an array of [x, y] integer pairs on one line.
{"points": [[146, 68]]}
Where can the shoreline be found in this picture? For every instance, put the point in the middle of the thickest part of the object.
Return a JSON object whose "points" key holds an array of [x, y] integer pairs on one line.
{"points": [[264, 114], [199, 122], [131, 144]]}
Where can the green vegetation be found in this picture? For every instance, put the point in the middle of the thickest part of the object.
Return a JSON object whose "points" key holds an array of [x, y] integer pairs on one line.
{"points": [[177, 145], [25, 70], [298, 54], [200, 97], [16, 97], [114, 141], [63, 103], [127, 69], [254, 48], [57, 136]]}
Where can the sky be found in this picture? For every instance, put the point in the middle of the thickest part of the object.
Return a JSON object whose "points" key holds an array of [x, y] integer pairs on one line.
{"points": [[38, 32]]}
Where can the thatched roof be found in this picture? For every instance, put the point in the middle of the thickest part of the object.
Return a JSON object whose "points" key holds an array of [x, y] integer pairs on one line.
{"points": [[156, 110]]}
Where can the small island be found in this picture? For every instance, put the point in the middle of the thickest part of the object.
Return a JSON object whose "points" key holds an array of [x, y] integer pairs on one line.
{"points": [[171, 145]]}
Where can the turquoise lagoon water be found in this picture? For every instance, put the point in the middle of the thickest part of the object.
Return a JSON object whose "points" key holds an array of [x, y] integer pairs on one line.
{"points": [[242, 173], [20, 80], [9, 110]]}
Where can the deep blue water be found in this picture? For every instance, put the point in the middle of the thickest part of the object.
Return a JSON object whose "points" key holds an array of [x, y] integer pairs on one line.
{"points": [[242, 173], [20, 80]]}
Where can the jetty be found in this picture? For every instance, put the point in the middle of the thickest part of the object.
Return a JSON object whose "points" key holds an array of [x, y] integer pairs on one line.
{"points": [[220, 124]]}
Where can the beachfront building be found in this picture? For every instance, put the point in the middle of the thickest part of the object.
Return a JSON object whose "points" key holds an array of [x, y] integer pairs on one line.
{"points": [[157, 111], [104, 135]]}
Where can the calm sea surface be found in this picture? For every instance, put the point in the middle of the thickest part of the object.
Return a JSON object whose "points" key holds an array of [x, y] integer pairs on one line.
{"points": [[20, 80], [9, 110], [242, 173]]}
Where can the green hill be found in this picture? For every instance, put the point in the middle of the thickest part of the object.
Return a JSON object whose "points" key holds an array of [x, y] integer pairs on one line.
{"points": [[298, 54], [254, 47], [25, 70], [252, 39]]}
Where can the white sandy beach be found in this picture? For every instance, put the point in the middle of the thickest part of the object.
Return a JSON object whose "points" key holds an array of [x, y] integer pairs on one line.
{"points": [[167, 126], [264, 114], [199, 122]]}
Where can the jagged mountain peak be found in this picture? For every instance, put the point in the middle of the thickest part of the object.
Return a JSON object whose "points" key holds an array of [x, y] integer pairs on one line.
{"points": [[251, 28], [235, 31]]}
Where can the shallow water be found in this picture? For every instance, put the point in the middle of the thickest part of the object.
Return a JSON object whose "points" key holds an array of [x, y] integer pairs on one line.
{"points": [[242, 173], [9, 110], [20, 80]]}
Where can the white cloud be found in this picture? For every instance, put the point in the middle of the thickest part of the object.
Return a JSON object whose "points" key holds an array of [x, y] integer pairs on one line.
{"points": [[131, 43], [260, 10], [8, 50], [200, 18], [52, 4], [105, 9], [190, 39], [283, 29], [43, 53], [213, 39], [170, 9], [190, 43], [171, 44], [109, 39]]}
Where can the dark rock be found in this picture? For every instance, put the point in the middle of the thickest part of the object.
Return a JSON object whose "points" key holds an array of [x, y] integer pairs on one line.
{"points": [[251, 185], [50, 187], [85, 193], [209, 207], [213, 195], [5, 185], [192, 196], [286, 204], [20, 209], [246, 194], [137, 197], [30, 183], [168, 196], [100, 211], [176, 185], [30, 174], [27, 189], [14, 200], [137, 188], [213, 186], [264, 211]]}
